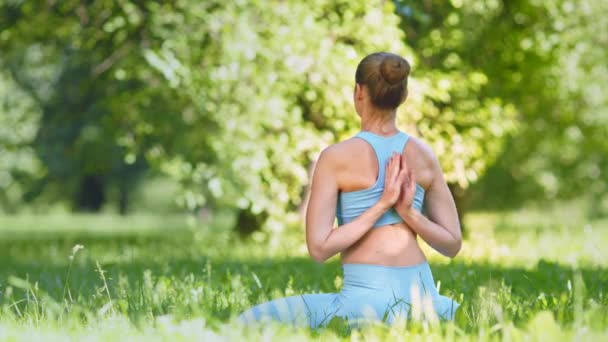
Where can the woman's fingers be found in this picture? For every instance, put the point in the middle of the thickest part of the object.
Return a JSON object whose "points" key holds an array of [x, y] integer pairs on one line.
{"points": [[393, 168], [395, 178], [404, 163], [389, 170], [405, 167], [394, 174], [397, 167], [412, 181], [402, 177]]}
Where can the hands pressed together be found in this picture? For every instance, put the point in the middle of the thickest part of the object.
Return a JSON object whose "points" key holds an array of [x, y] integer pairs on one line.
{"points": [[440, 229], [442, 232], [399, 184]]}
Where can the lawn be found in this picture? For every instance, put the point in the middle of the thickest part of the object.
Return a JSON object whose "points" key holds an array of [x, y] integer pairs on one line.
{"points": [[530, 275]]}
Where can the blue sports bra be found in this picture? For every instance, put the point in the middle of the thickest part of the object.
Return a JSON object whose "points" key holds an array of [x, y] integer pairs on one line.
{"points": [[351, 204]]}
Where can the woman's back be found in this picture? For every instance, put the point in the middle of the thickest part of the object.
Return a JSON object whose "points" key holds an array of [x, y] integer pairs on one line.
{"points": [[375, 184], [357, 170], [351, 204]]}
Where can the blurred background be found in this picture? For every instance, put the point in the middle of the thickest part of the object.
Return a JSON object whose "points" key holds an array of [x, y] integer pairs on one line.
{"points": [[155, 157], [221, 108]]}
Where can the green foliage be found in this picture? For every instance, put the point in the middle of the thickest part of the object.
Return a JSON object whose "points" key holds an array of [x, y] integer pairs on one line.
{"points": [[18, 162], [273, 82], [466, 126], [543, 60], [72, 70], [234, 100]]}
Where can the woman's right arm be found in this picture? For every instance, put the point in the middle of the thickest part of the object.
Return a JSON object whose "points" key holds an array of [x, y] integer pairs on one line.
{"points": [[322, 240], [441, 230]]}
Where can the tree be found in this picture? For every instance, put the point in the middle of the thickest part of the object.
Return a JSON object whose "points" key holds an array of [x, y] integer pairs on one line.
{"points": [[276, 80], [18, 163], [235, 100], [543, 60], [71, 69]]}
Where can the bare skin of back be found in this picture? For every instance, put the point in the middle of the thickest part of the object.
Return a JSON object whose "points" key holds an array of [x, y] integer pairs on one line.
{"points": [[393, 244], [352, 165]]}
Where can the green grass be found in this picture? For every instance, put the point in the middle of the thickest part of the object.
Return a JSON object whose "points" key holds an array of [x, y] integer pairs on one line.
{"points": [[521, 275]]}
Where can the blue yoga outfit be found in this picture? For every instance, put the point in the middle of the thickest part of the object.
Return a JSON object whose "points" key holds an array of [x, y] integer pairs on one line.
{"points": [[351, 204], [369, 291]]}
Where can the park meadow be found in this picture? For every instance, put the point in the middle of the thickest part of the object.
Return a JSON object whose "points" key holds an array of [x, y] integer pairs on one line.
{"points": [[156, 158], [520, 276]]}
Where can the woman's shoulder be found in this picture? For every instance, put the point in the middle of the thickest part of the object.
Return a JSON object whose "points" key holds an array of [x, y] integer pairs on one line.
{"points": [[344, 146], [343, 151], [419, 149]]}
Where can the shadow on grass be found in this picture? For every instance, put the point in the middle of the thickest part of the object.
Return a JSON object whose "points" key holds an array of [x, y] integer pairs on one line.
{"points": [[165, 278]]}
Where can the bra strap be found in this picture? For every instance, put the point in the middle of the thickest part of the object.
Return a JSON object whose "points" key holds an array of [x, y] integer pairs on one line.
{"points": [[384, 147], [402, 140]]}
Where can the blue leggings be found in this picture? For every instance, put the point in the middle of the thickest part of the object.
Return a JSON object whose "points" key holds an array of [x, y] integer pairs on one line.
{"points": [[370, 291]]}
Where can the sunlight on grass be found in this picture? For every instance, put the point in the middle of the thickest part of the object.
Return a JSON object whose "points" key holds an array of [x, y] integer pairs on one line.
{"points": [[517, 239], [520, 276]]}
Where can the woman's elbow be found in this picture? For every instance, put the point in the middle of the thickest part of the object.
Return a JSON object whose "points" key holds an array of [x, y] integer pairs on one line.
{"points": [[453, 249], [320, 258], [317, 254]]}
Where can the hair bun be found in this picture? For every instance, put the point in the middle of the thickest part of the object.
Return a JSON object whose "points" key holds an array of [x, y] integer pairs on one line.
{"points": [[394, 69]]}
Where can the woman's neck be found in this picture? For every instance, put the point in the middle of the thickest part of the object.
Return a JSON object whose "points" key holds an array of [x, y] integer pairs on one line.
{"points": [[379, 123]]}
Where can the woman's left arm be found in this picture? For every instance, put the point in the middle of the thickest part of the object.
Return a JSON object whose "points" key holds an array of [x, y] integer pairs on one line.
{"points": [[441, 230]]}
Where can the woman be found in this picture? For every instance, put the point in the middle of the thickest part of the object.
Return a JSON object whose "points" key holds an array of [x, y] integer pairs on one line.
{"points": [[375, 183]]}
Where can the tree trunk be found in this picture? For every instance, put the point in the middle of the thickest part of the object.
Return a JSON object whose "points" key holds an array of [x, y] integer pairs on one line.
{"points": [[248, 223], [91, 194], [123, 199]]}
